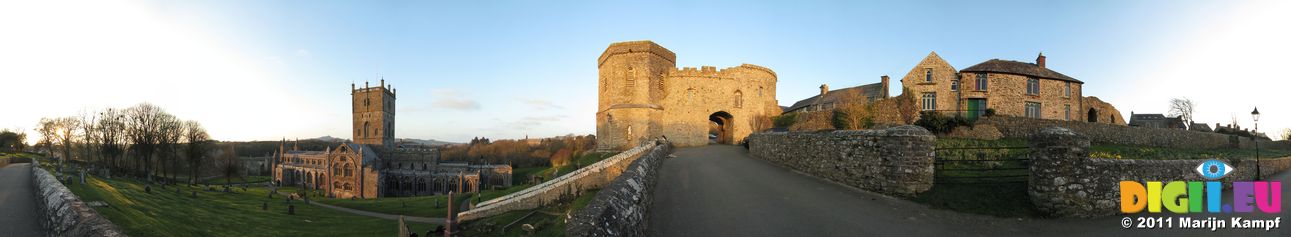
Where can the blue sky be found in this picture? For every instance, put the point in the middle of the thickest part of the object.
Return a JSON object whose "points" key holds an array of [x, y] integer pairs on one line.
{"points": [[264, 70]]}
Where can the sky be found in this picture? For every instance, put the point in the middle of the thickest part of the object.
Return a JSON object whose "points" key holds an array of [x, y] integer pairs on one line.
{"points": [[268, 70]]}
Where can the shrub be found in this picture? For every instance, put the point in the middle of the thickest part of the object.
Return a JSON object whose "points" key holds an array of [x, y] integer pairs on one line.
{"points": [[989, 112], [938, 123], [785, 120]]}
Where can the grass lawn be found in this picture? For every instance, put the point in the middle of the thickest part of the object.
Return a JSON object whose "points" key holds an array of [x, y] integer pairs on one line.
{"points": [[166, 213], [1157, 153], [549, 221]]}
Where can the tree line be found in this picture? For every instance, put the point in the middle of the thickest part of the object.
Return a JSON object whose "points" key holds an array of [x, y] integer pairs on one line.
{"points": [[142, 140], [556, 151]]}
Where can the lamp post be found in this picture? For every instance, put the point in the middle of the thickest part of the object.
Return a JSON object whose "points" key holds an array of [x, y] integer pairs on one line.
{"points": [[1255, 115]]}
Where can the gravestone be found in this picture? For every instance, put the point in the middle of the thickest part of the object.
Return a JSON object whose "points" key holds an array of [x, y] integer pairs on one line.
{"points": [[194, 193], [82, 176], [147, 189], [291, 209], [264, 206]]}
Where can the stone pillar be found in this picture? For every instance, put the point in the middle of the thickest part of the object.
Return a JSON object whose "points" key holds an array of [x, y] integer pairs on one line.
{"points": [[1058, 158]]}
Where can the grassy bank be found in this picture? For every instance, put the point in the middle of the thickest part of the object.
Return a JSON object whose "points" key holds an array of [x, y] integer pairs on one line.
{"points": [[548, 221], [163, 212]]}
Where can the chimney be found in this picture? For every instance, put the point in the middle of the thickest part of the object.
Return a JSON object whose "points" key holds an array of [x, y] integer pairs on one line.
{"points": [[1039, 60], [824, 88], [884, 81]]}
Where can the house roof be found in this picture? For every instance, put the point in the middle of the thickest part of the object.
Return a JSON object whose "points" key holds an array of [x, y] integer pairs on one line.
{"points": [[834, 95], [1019, 68]]}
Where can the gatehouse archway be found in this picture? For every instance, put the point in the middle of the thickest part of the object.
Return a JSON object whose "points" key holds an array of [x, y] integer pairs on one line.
{"points": [[720, 128]]}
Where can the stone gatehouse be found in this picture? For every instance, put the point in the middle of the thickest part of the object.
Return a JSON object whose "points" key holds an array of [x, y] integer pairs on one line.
{"points": [[643, 95], [375, 165]]}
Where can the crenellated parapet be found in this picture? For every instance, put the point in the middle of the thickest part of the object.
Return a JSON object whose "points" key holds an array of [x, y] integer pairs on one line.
{"points": [[636, 47], [742, 71]]}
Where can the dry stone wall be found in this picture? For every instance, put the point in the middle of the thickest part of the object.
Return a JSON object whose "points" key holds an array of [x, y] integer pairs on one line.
{"points": [[897, 160], [62, 213], [1066, 182], [622, 208], [594, 176], [1018, 127]]}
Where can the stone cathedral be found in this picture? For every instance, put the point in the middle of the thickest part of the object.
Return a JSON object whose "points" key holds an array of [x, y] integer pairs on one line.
{"points": [[375, 164]]}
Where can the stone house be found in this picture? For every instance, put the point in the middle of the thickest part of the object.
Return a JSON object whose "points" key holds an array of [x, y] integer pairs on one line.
{"points": [[828, 100], [1010, 88], [642, 95], [1156, 121]]}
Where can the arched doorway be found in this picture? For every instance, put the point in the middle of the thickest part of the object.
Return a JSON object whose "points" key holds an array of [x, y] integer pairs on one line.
{"points": [[720, 128], [1093, 115]]}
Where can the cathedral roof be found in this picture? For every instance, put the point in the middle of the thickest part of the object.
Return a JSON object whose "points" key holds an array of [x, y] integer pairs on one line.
{"points": [[1019, 68]]}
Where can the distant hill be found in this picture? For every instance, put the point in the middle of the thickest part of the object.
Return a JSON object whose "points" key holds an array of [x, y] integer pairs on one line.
{"points": [[428, 142], [330, 139]]}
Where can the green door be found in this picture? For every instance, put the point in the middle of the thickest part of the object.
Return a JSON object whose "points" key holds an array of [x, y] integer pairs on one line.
{"points": [[975, 108]]}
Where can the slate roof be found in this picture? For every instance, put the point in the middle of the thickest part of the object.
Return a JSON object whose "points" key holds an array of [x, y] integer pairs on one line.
{"points": [[1019, 68], [869, 90]]}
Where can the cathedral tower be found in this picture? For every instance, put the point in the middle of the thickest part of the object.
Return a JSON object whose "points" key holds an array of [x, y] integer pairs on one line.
{"points": [[373, 109]]}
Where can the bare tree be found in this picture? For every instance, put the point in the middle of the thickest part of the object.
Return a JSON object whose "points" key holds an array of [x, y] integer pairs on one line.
{"points": [[170, 132], [111, 136], [228, 162], [197, 144], [65, 135], [143, 125], [89, 148], [906, 106], [1183, 108]]}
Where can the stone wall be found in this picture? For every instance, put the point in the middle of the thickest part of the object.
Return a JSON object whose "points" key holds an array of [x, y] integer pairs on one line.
{"points": [[62, 213], [897, 160], [1066, 182], [622, 208], [594, 176], [1018, 127]]}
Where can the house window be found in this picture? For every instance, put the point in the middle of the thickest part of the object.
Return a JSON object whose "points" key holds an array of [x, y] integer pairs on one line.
{"points": [[981, 81], [927, 75], [1033, 110], [1067, 93], [954, 85], [1066, 112], [1033, 86], [930, 101]]}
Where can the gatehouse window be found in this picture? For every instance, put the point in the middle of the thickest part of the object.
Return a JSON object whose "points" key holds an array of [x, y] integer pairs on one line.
{"points": [[739, 99], [930, 101]]}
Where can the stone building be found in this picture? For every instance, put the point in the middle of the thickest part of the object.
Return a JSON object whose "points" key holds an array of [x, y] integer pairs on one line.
{"points": [[828, 100], [1007, 87], [1155, 121], [643, 95], [374, 165]]}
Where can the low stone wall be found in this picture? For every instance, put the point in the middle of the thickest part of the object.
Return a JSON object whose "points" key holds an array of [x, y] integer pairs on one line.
{"points": [[594, 176], [897, 160], [62, 213], [623, 207], [1066, 182], [1018, 127]]}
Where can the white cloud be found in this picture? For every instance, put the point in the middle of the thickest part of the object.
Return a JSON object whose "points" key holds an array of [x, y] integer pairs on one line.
{"points": [[541, 104], [453, 99], [304, 53]]}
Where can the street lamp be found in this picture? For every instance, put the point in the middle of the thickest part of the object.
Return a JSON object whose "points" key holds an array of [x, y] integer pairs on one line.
{"points": [[1255, 115]]}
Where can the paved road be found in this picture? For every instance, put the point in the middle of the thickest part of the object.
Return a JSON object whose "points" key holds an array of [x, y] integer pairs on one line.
{"points": [[720, 191], [18, 202]]}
